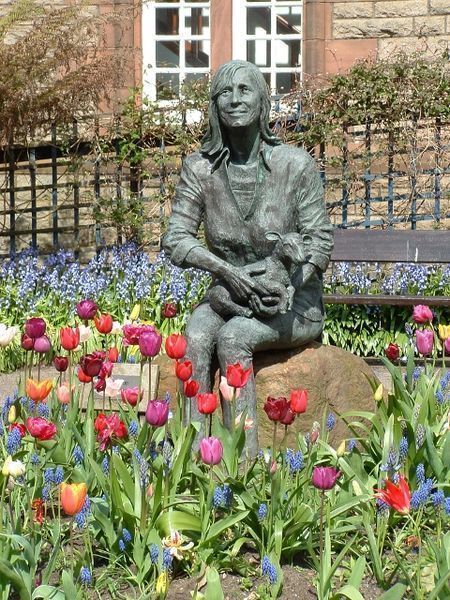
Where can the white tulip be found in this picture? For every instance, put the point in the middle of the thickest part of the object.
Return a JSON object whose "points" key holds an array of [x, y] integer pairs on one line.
{"points": [[13, 468], [7, 334]]}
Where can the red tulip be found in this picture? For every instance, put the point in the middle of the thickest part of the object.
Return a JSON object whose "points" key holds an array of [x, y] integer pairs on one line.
{"points": [[73, 497], [106, 370], [169, 310], [150, 343], [190, 388], [131, 395], [42, 344], [112, 354], [237, 376], [157, 413], [288, 417], [100, 385], [324, 478], [91, 364], [211, 450], [86, 310], [20, 426], [397, 496], [183, 370], [61, 363], [35, 327], [392, 352], [82, 376], [422, 314], [276, 409], [70, 338], [40, 428], [175, 346], [26, 342], [109, 427], [207, 403], [299, 400], [103, 323], [424, 341]]}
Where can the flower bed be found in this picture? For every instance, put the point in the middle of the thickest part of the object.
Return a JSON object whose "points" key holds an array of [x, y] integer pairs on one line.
{"points": [[105, 500]]}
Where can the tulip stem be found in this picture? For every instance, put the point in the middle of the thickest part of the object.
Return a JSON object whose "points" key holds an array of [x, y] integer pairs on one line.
{"points": [[141, 370], [69, 368], [2, 501], [322, 506], [274, 439], [72, 551], [39, 368], [149, 378]]}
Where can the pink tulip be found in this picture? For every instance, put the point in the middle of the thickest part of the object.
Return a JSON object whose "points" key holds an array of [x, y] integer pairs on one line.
{"points": [[86, 310], [63, 393], [422, 314], [112, 388], [130, 395], [211, 450], [42, 344], [447, 346], [157, 413], [324, 478], [150, 343], [424, 341], [227, 391]]}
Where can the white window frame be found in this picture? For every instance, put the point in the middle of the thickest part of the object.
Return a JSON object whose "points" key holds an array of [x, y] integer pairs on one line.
{"points": [[149, 39], [240, 36]]}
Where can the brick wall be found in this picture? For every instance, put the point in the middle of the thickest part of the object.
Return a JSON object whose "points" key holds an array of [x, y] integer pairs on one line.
{"points": [[339, 32]]}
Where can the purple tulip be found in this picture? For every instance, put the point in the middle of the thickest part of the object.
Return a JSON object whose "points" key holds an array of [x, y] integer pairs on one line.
{"points": [[447, 346], [42, 344], [86, 310], [35, 327], [424, 341], [211, 450], [324, 478], [157, 413], [150, 343]]}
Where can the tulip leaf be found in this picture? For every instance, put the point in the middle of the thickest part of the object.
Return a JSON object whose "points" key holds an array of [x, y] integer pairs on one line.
{"points": [[433, 456], [178, 520], [395, 593], [223, 525], [357, 573], [125, 477], [47, 592], [213, 589], [446, 451]]}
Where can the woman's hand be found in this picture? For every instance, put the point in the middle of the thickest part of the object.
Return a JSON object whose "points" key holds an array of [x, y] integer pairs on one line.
{"points": [[241, 283]]}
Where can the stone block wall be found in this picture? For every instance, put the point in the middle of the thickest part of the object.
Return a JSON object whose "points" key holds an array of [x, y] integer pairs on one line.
{"points": [[339, 32]]}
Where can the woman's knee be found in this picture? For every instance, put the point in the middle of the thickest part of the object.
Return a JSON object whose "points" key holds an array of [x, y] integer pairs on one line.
{"points": [[234, 340]]}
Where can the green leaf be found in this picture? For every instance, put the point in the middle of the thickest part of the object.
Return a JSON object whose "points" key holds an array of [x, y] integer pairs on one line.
{"points": [[177, 519], [224, 524], [47, 592], [213, 589], [349, 592], [357, 575], [70, 590], [125, 477], [395, 593]]}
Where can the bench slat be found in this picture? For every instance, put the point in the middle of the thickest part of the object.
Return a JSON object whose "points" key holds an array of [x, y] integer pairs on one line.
{"points": [[373, 245], [380, 299]]}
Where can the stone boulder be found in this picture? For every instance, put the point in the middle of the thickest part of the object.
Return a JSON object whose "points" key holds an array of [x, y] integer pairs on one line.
{"points": [[337, 381]]}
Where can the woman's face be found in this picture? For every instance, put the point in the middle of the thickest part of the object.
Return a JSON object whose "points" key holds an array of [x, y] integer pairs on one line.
{"points": [[239, 102]]}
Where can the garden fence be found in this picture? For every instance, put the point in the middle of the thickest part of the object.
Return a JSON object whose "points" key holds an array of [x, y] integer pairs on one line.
{"points": [[83, 195]]}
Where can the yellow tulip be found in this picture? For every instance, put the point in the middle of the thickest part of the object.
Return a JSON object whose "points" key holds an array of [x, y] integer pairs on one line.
{"points": [[378, 395], [161, 583], [444, 331], [341, 449], [12, 414], [135, 312]]}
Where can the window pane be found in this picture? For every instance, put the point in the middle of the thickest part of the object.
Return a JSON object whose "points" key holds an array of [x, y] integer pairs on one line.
{"points": [[285, 82], [287, 53], [191, 78], [167, 86], [197, 21], [258, 52], [167, 54], [197, 53], [288, 20], [167, 21], [258, 21]]}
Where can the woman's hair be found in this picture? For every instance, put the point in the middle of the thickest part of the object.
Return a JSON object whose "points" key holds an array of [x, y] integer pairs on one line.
{"points": [[213, 141]]}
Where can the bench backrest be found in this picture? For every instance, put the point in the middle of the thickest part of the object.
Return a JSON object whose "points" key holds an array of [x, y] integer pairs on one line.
{"points": [[387, 245]]}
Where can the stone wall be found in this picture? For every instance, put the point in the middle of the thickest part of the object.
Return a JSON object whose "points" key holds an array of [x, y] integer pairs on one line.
{"points": [[338, 32]]}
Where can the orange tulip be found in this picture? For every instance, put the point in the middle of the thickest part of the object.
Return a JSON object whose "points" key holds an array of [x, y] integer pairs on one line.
{"points": [[38, 390], [73, 497]]}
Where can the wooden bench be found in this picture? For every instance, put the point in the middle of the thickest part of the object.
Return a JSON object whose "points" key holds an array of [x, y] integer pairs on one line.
{"points": [[390, 246]]}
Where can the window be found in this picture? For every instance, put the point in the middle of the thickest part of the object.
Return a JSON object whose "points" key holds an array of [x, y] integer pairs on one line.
{"points": [[269, 35], [176, 45]]}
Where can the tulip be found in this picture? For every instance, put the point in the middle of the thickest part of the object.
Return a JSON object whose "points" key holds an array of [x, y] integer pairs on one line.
{"points": [[324, 478], [40, 428], [106, 370], [85, 333], [112, 388], [132, 333], [422, 314], [70, 338], [211, 450], [237, 376], [157, 413], [82, 377], [61, 363], [175, 346], [299, 401], [112, 354], [86, 310], [276, 409], [315, 432], [397, 497], [134, 314], [109, 427], [26, 342], [190, 388], [21, 428], [35, 327], [38, 390], [424, 341], [7, 335], [444, 332], [103, 323], [169, 310], [131, 395], [392, 352], [207, 403], [248, 423], [63, 393], [12, 414], [379, 393], [13, 468], [73, 497], [447, 346], [42, 345], [227, 391], [91, 364], [150, 343], [183, 370], [116, 328], [288, 417]]}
